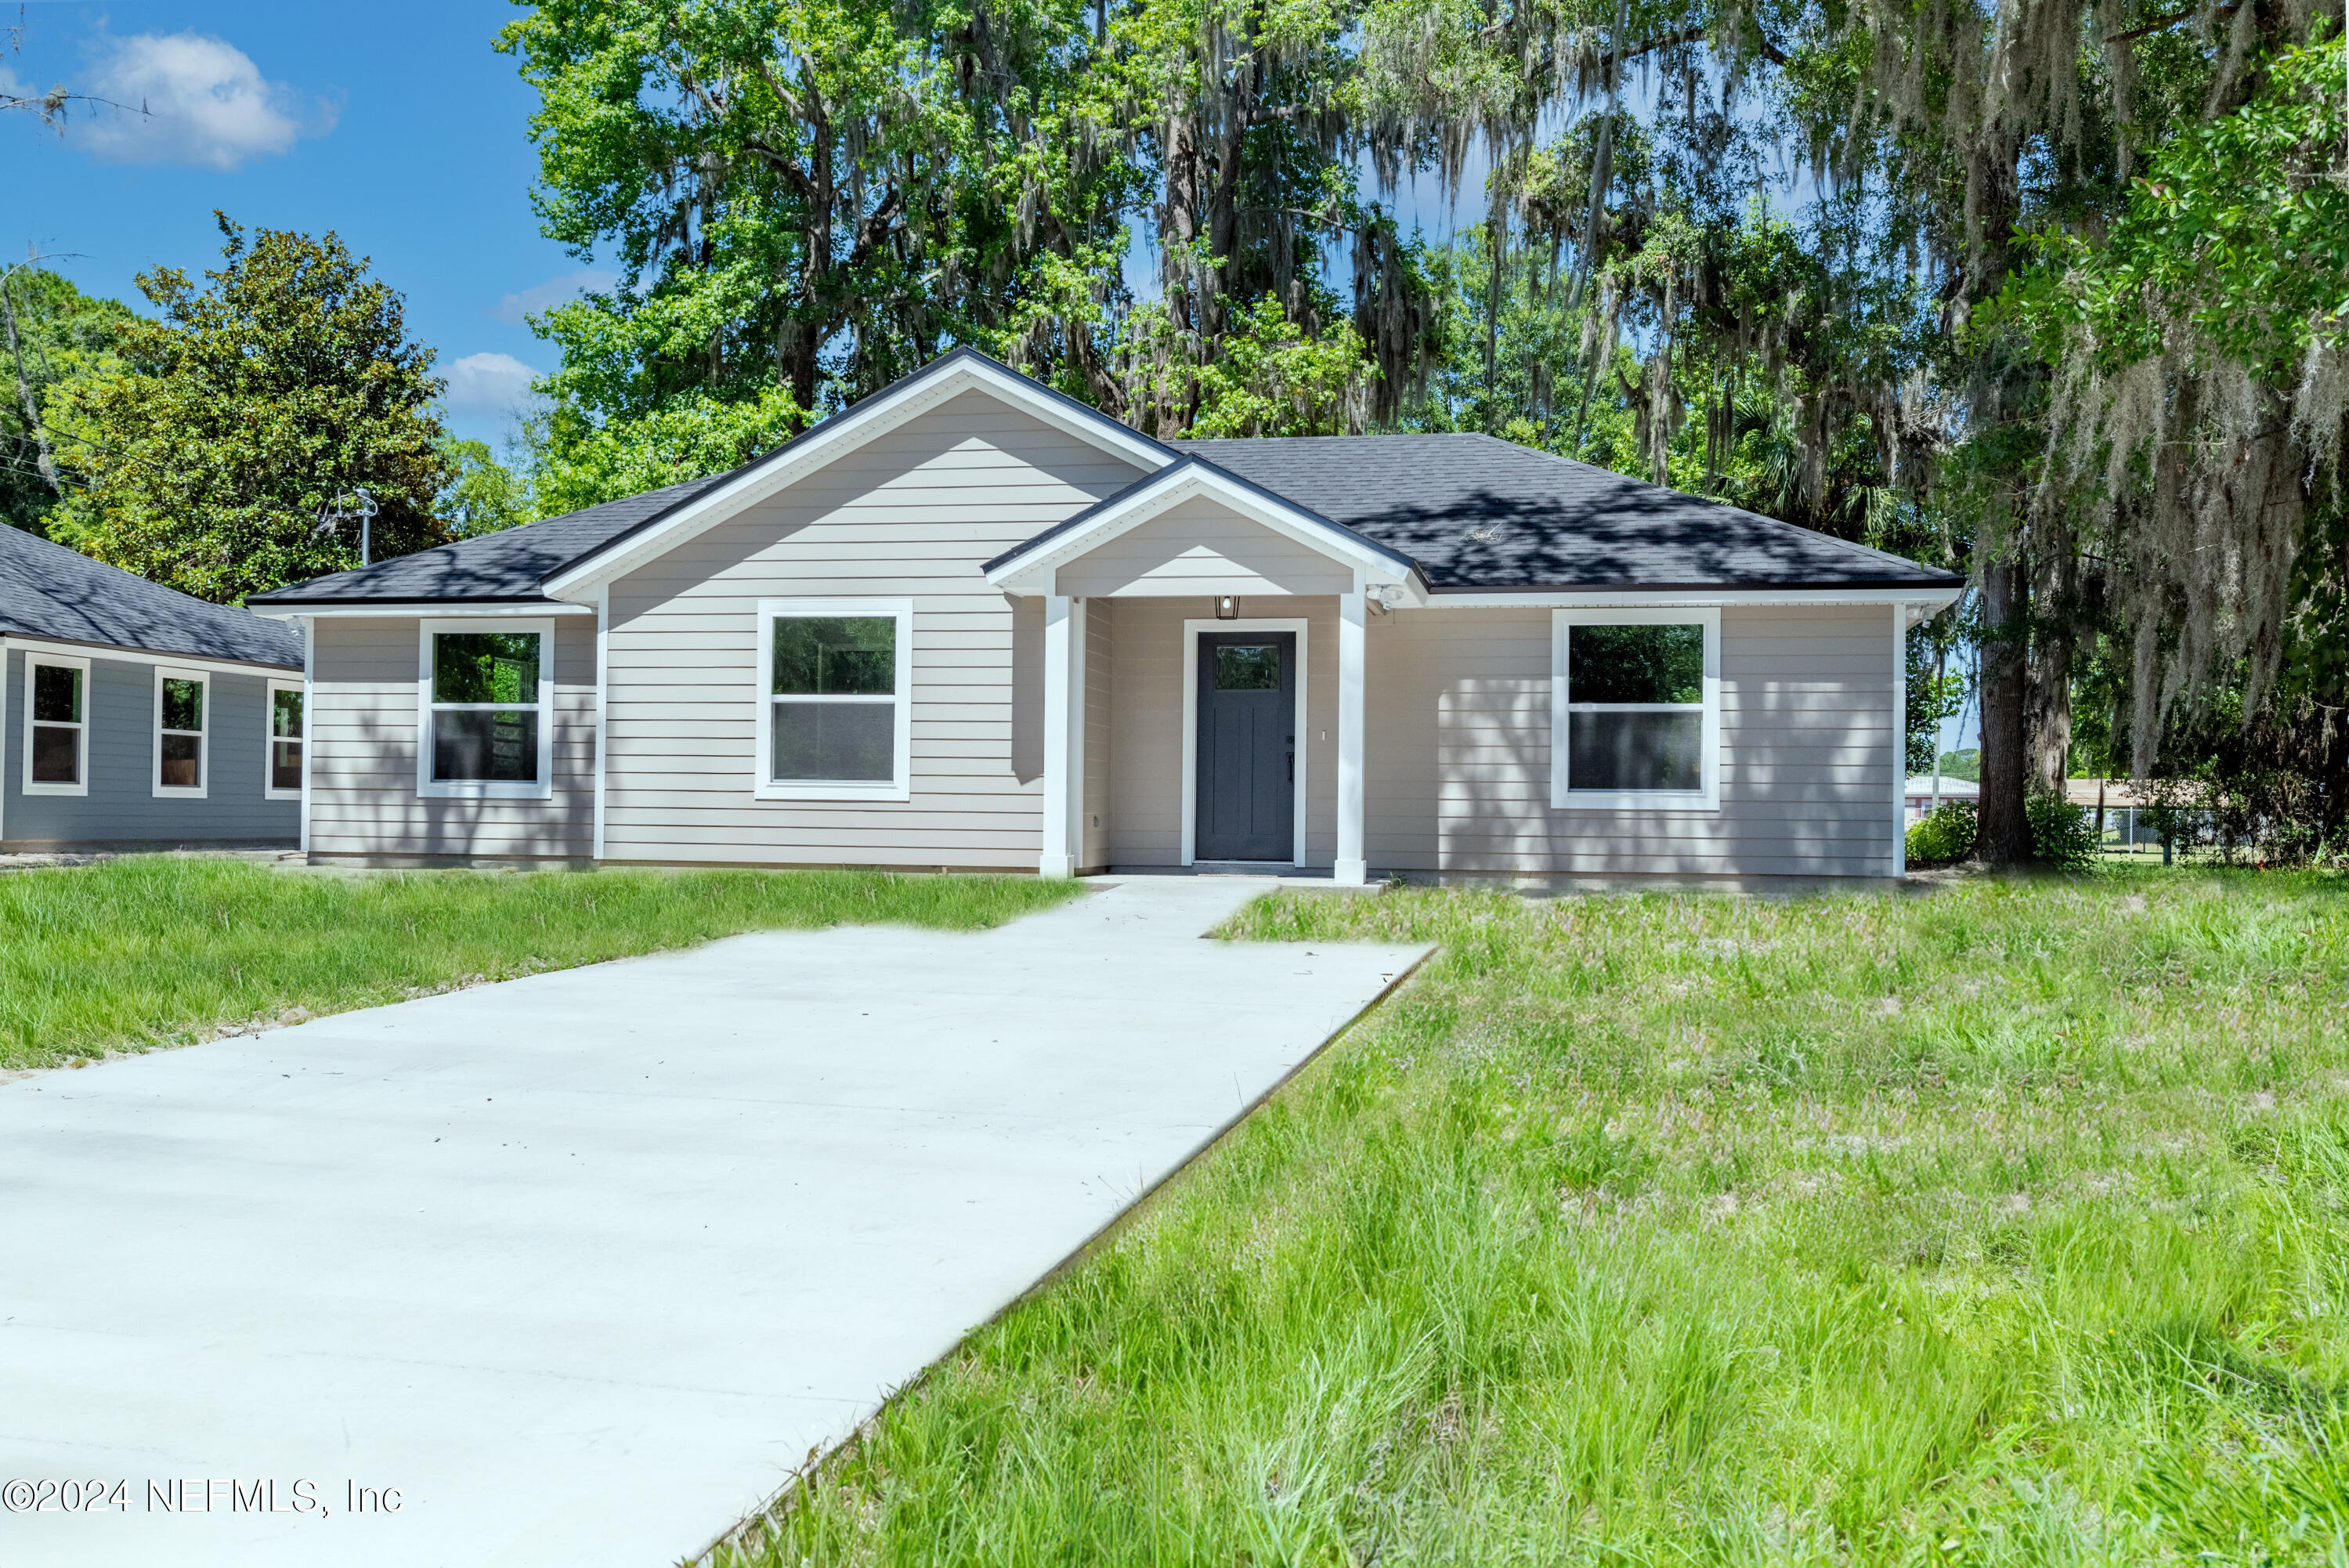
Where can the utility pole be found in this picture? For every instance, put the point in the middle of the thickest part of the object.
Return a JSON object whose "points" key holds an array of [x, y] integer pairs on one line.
{"points": [[359, 507]]}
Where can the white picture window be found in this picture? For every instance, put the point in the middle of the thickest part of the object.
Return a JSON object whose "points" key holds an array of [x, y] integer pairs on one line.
{"points": [[282, 766], [56, 726], [836, 688], [182, 732], [1635, 709], [484, 702]]}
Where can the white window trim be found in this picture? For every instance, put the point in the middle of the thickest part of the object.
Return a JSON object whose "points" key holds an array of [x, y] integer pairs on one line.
{"points": [[1708, 799], [900, 786], [81, 772], [203, 784], [269, 739], [430, 789], [1191, 633]]}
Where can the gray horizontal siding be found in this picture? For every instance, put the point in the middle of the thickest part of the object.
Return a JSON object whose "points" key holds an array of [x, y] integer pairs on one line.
{"points": [[1458, 774], [362, 754], [1200, 547], [912, 515], [121, 806]]}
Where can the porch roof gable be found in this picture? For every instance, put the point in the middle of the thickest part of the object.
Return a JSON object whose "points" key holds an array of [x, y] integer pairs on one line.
{"points": [[1029, 567]]}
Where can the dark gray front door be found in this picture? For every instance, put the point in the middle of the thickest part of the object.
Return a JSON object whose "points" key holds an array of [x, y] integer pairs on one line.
{"points": [[1247, 747]]}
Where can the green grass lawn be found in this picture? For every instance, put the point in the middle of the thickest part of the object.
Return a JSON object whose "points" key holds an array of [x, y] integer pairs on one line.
{"points": [[2005, 1224], [157, 949]]}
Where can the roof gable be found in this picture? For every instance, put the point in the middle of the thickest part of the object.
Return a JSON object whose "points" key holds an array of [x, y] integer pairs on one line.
{"points": [[1027, 568], [570, 557]]}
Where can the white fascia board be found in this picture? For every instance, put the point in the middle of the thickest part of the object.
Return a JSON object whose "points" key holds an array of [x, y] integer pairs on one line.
{"points": [[1033, 573], [143, 656], [1930, 600], [434, 609], [836, 438]]}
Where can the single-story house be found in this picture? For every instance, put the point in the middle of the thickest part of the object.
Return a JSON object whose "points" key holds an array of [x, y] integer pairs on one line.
{"points": [[1924, 790], [969, 623], [132, 716]]}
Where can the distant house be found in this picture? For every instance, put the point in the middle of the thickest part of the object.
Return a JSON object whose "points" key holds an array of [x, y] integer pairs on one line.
{"points": [[135, 716], [970, 623], [1922, 794]]}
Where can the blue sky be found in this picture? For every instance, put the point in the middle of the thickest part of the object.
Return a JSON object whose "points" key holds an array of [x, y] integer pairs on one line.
{"points": [[398, 127]]}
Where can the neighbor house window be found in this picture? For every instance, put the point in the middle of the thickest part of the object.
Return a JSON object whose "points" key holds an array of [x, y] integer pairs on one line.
{"points": [[56, 726], [182, 726], [836, 679], [1635, 709], [284, 763], [483, 721]]}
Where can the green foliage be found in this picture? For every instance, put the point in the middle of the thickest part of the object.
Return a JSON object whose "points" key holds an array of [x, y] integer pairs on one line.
{"points": [[206, 458], [1943, 834], [2240, 228], [482, 495], [1965, 764], [62, 336], [1269, 377], [806, 201], [1679, 1229], [2061, 835], [157, 949]]}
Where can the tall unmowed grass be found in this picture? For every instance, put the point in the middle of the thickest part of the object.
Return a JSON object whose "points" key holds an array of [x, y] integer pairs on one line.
{"points": [[2005, 1225], [157, 949]]}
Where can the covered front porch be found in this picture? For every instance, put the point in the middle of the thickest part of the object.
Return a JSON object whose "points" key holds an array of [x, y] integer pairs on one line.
{"points": [[1204, 655]]}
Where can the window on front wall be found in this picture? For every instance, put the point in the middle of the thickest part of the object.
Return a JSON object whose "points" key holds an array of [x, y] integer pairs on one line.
{"points": [[285, 760], [833, 719], [1636, 719], [182, 711], [487, 710], [56, 751]]}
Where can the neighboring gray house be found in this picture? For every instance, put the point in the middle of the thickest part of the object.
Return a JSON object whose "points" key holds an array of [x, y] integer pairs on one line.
{"points": [[972, 624], [133, 716]]}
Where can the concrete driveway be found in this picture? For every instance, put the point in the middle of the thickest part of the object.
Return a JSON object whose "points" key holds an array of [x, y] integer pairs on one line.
{"points": [[573, 1269]]}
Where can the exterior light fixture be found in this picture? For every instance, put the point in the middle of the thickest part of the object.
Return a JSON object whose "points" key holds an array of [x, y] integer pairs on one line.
{"points": [[1227, 607], [1391, 595]]}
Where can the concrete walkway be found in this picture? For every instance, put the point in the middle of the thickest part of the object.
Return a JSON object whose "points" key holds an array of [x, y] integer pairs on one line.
{"points": [[583, 1265]]}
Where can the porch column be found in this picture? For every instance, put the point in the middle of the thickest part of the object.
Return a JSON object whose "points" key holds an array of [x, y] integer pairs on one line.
{"points": [[1064, 734], [1353, 624]]}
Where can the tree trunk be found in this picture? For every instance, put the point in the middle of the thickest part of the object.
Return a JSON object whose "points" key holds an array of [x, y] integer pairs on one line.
{"points": [[2004, 835]]}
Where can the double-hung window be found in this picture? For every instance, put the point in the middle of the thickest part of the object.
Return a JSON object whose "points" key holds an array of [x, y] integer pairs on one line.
{"points": [[282, 766], [1635, 709], [835, 685], [56, 726], [182, 732], [484, 693]]}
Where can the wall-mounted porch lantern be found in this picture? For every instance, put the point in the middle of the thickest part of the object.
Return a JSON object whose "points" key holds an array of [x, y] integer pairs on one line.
{"points": [[1227, 607]]}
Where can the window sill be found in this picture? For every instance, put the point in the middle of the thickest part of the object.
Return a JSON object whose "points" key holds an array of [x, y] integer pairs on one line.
{"points": [[281, 794], [57, 789], [170, 792], [1681, 801], [810, 791], [481, 791]]}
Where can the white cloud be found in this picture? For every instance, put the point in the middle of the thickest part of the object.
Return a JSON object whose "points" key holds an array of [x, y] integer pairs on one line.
{"points": [[488, 383], [551, 293], [206, 102]]}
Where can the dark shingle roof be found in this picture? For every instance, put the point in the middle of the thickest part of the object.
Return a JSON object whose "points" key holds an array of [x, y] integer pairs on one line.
{"points": [[503, 566], [1478, 513], [1472, 511], [49, 591]]}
